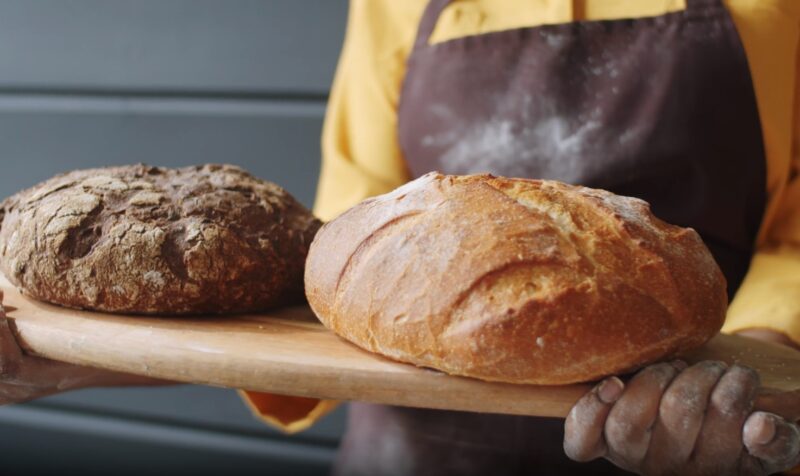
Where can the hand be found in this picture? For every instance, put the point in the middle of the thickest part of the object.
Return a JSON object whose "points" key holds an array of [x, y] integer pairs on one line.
{"points": [[23, 377], [669, 419]]}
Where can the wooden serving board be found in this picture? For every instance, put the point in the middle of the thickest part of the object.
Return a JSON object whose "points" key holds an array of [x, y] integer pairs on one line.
{"points": [[289, 352]]}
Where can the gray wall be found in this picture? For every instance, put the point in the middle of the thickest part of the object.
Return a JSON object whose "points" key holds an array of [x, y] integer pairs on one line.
{"points": [[167, 82]]}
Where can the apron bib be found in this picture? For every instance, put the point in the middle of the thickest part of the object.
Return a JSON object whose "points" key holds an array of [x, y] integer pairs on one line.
{"points": [[659, 108]]}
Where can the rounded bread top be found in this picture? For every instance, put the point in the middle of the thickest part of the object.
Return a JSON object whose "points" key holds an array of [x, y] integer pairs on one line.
{"points": [[523, 281], [151, 240]]}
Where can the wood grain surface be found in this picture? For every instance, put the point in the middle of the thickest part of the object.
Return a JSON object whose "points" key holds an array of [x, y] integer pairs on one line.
{"points": [[289, 352]]}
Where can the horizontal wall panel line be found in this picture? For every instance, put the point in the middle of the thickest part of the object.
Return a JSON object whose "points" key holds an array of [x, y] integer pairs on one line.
{"points": [[217, 45], [189, 93], [239, 107], [301, 438], [171, 435]]}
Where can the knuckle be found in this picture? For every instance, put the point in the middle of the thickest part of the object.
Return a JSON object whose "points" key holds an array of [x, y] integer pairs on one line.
{"points": [[658, 375], [730, 401], [571, 426], [621, 433], [713, 364], [712, 367], [577, 438], [583, 408], [580, 444], [682, 411], [676, 400], [662, 370], [744, 375], [734, 395], [576, 450]]}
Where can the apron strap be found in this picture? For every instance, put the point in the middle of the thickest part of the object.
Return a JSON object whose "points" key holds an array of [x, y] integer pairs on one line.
{"points": [[429, 20], [694, 6], [435, 8]]}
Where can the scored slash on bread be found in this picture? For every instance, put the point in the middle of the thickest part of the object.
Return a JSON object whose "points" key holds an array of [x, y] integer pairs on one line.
{"points": [[512, 280]]}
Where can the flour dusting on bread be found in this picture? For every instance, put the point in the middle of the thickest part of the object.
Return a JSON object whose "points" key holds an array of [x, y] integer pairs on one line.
{"points": [[522, 281]]}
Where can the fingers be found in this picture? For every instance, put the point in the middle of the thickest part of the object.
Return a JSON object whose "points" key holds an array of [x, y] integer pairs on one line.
{"points": [[10, 353], [772, 441], [680, 417], [630, 421], [667, 420], [583, 431], [719, 442]]}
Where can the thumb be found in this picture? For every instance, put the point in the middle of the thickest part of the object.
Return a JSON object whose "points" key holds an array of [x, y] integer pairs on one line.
{"points": [[772, 440]]}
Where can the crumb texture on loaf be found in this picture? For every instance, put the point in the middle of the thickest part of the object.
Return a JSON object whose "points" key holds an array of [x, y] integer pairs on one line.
{"points": [[523, 281], [150, 240]]}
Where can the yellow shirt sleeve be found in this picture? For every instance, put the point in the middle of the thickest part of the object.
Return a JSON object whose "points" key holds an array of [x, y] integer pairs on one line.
{"points": [[286, 413], [361, 156]]}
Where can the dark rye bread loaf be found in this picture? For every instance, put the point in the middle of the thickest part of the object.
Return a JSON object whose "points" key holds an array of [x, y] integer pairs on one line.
{"points": [[522, 281], [150, 240]]}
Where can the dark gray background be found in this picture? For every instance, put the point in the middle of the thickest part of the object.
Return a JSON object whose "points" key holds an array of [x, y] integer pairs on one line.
{"points": [[167, 82]]}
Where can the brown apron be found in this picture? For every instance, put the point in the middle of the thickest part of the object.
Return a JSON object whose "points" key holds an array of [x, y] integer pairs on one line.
{"points": [[661, 108]]}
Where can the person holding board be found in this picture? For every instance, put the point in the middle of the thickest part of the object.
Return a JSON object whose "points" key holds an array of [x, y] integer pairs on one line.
{"points": [[691, 105]]}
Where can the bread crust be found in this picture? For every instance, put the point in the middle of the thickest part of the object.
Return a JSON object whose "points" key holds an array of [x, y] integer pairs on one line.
{"points": [[151, 240], [512, 280]]}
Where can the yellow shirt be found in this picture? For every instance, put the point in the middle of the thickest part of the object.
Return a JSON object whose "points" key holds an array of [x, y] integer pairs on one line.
{"points": [[361, 156]]}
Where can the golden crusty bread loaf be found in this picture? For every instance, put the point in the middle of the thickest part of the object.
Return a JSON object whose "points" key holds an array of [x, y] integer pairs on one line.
{"points": [[522, 281]]}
